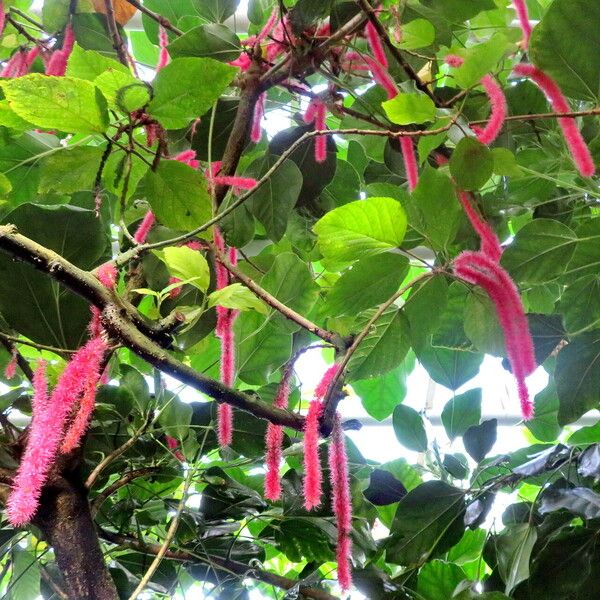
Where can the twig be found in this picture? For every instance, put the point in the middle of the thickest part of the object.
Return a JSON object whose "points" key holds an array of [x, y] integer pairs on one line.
{"points": [[156, 17], [23, 364], [113, 29], [50, 581], [25, 16], [286, 311], [18, 340], [551, 115]]}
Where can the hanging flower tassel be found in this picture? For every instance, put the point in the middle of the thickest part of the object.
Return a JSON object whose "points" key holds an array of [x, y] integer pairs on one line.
{"points": [[341, 503], [57, 65], [317, 112], [11, 367], [410, 162], [579, 150], [523, 14], [498, 103], [259, 113]]}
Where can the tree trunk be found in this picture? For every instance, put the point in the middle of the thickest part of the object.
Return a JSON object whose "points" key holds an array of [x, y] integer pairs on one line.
{"points": [[66, 522]]}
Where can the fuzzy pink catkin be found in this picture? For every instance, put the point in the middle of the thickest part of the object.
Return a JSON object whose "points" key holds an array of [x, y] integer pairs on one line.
{"points": [[579, 150], [259, 112], [313, 478], [523, 14], [57, 65], [11, 367], [382, 77], [46, 432], [341, 502], [163, 41], [188, 157], [2, 18], [40, 388], [490, 245], [13, 65], [107, 275], [274, 441], [498, 103], [410, 162], [144, 228], [374, 41], [454, 61], [320, 125], [326, 381]]}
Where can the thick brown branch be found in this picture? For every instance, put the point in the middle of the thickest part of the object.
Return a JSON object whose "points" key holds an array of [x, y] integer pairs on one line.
{"points": [[113, 29], [230, 566]]}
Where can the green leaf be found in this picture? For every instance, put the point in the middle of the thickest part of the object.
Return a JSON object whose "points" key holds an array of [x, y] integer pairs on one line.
{"points": [[25, 576], [505, 163], [55, 14], [577, 377], [481, 324], [92, 33], [186, 88], [480, 439], [418, 33], [540, 251], [580, 305], [384, 347], [177, 194], [544, 425], [370, 281], [425, 306], [238, 297], [480, 59], [30, 301], [409, 428], [176, 416], [70, 170], [122, 90], [451, 368], [211, 40], [359, 229], [217, 11], [186, 264], [433, 208], [438, 579], [88, 64], [63, 103], [273, 201], [471, 164], [405, 109], [380, 395], [428, 522], [461, 412], [513, 550], [565, 46], [586, 258]]}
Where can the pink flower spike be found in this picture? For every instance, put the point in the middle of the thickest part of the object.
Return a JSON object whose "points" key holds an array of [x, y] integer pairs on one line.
{"points": [[410, 162], [175, 292], [313, 477], [14, 65], [490, 245], [11, 367], [374, 41], [2, 18], [269, 25], [311, 111], [454, 61], [523, 14], [498, 104], [46, 432], [382, 77], [241, 183], [325, 383], [243, 61], [57, 65], [40, 388], [107, 275], [144, 228], [188, 157], [163, 41], [579, 149], [320, 125], [225, 425], [194, 245], [259, 112], [341, 502]]}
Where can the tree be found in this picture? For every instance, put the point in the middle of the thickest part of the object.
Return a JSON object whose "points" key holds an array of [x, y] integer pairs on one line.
{"points": [[429, 196]]}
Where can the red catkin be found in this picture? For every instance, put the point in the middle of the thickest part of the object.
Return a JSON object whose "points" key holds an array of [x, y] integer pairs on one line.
{"points": [[341, 502], [274, 441], [454, 61], [579, 150], [11, 367], [57, 65], [382, 77], [259, 113], [163, 56], [317, 112], [498, 104], [374, 41], [2, 18], [313, 478], [410, 162], [107, 275], [173, 444], [523, 14], [188, 157], [144, 228], [46, 431]]}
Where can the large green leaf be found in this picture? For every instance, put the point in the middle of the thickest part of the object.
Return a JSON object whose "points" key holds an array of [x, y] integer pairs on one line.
{"points": [[186, 264], [384, 347], [428, 522], [359, 229], [71, 170], [409, 428], [177, 194], [370, 281], [405, 109], [211, 40], [580, 304], [273, 201], [540, 251], [461, 412], [578, 377], [471, 164], [186, 88], [32, 302], [451, 368], [88, 64], [544, 425], [438, 579], [565, 46], [513, 547], [25, 575], [64, 103]]}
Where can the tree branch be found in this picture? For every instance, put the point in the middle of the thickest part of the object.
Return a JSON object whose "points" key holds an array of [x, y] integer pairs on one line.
{"points": [[231, 566], [156, 17], [113, 29]]}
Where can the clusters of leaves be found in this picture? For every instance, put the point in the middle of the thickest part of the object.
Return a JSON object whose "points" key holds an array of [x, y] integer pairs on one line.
{"points": [[333, 241]]}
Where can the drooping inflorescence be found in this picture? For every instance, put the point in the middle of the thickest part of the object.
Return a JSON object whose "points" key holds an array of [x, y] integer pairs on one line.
{"points": [[498, 104], [523, 15], [579, 150], [57, 63], [317, 112], [410, 162]]}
